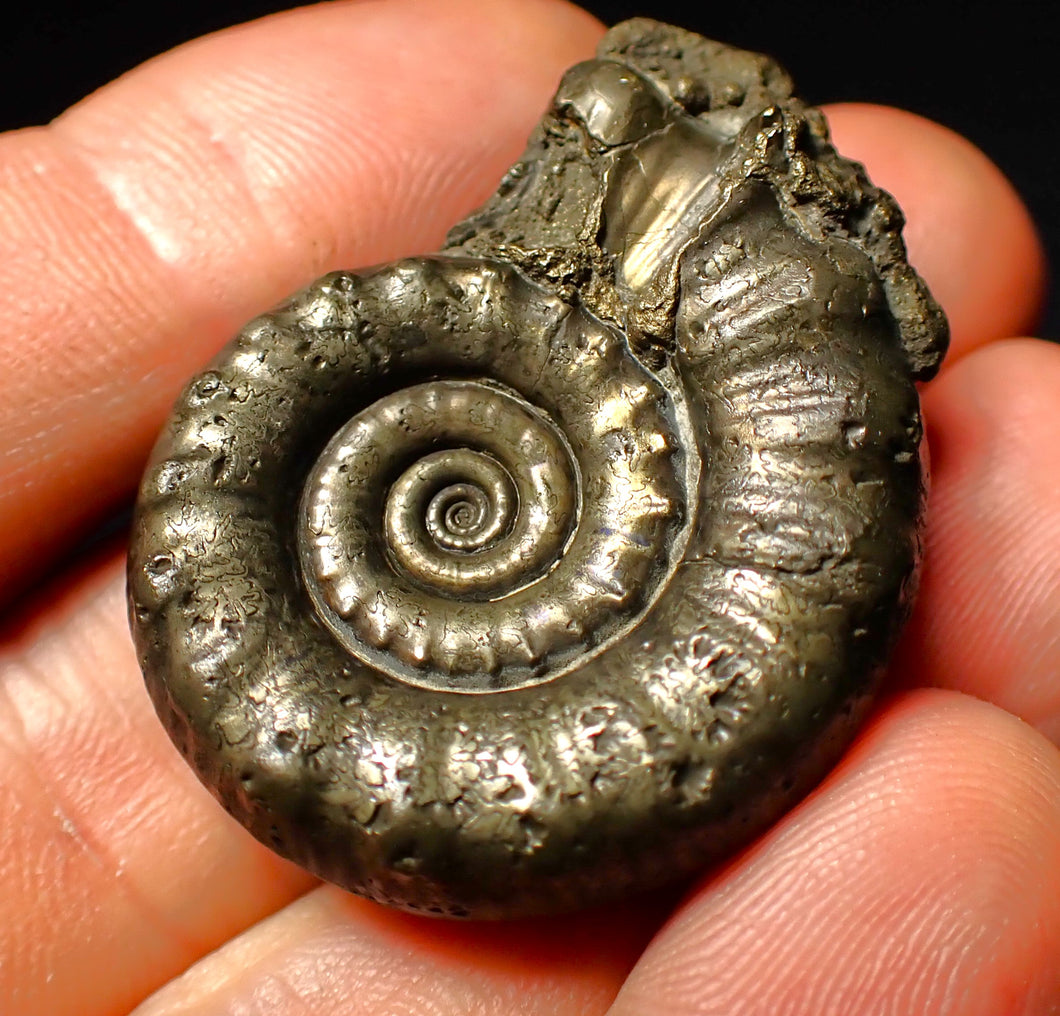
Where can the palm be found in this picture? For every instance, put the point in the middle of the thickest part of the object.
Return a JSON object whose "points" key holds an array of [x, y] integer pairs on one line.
{"points": [[147, 224]]}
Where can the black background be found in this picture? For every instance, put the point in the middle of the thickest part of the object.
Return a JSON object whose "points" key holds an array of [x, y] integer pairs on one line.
{"points": [[987, 70]]}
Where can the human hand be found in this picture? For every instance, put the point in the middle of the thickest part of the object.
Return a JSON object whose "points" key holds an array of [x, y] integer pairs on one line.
{"points": [[143, 228]]}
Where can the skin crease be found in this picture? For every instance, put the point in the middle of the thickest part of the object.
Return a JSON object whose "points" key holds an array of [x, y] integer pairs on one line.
{"points": [[922, 877]]}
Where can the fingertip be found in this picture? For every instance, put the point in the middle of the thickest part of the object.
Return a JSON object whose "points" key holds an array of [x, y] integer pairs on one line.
{"points": [[543, 25], [926, 869], [988, 614], [329, 947], [968, 232], [106, 825], [153, 218]]}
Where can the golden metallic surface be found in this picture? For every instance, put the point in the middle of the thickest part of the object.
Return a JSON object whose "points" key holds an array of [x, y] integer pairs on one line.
{"points": [[560, 563]]}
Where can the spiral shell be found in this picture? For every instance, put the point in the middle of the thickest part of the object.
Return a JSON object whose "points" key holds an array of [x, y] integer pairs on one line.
{"points": [[559, 563], [487, 485]]}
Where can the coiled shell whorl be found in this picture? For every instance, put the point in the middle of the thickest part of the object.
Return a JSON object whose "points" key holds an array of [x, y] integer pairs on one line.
{"points": [[560, 563]]}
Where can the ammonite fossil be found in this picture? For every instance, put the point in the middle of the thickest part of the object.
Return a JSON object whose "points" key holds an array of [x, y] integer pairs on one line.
{"points": [[561, 562]]}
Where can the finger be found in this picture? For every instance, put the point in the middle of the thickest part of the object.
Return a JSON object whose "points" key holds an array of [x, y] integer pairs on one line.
{"points": [[330, 953], [156, 881], [148, 223], [154, 218], [117, 870], [923, 877], [988, 616], [968, 232]]}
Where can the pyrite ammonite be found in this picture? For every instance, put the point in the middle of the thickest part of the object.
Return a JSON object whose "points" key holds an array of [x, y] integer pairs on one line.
{"points": [[563, 561]]}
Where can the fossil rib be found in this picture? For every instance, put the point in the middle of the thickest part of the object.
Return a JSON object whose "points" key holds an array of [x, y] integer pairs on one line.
{"points": [[563, 561]]}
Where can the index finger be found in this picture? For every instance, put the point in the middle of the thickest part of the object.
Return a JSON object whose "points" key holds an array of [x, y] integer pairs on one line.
{"points": [[142, 228], [147, 224]]}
